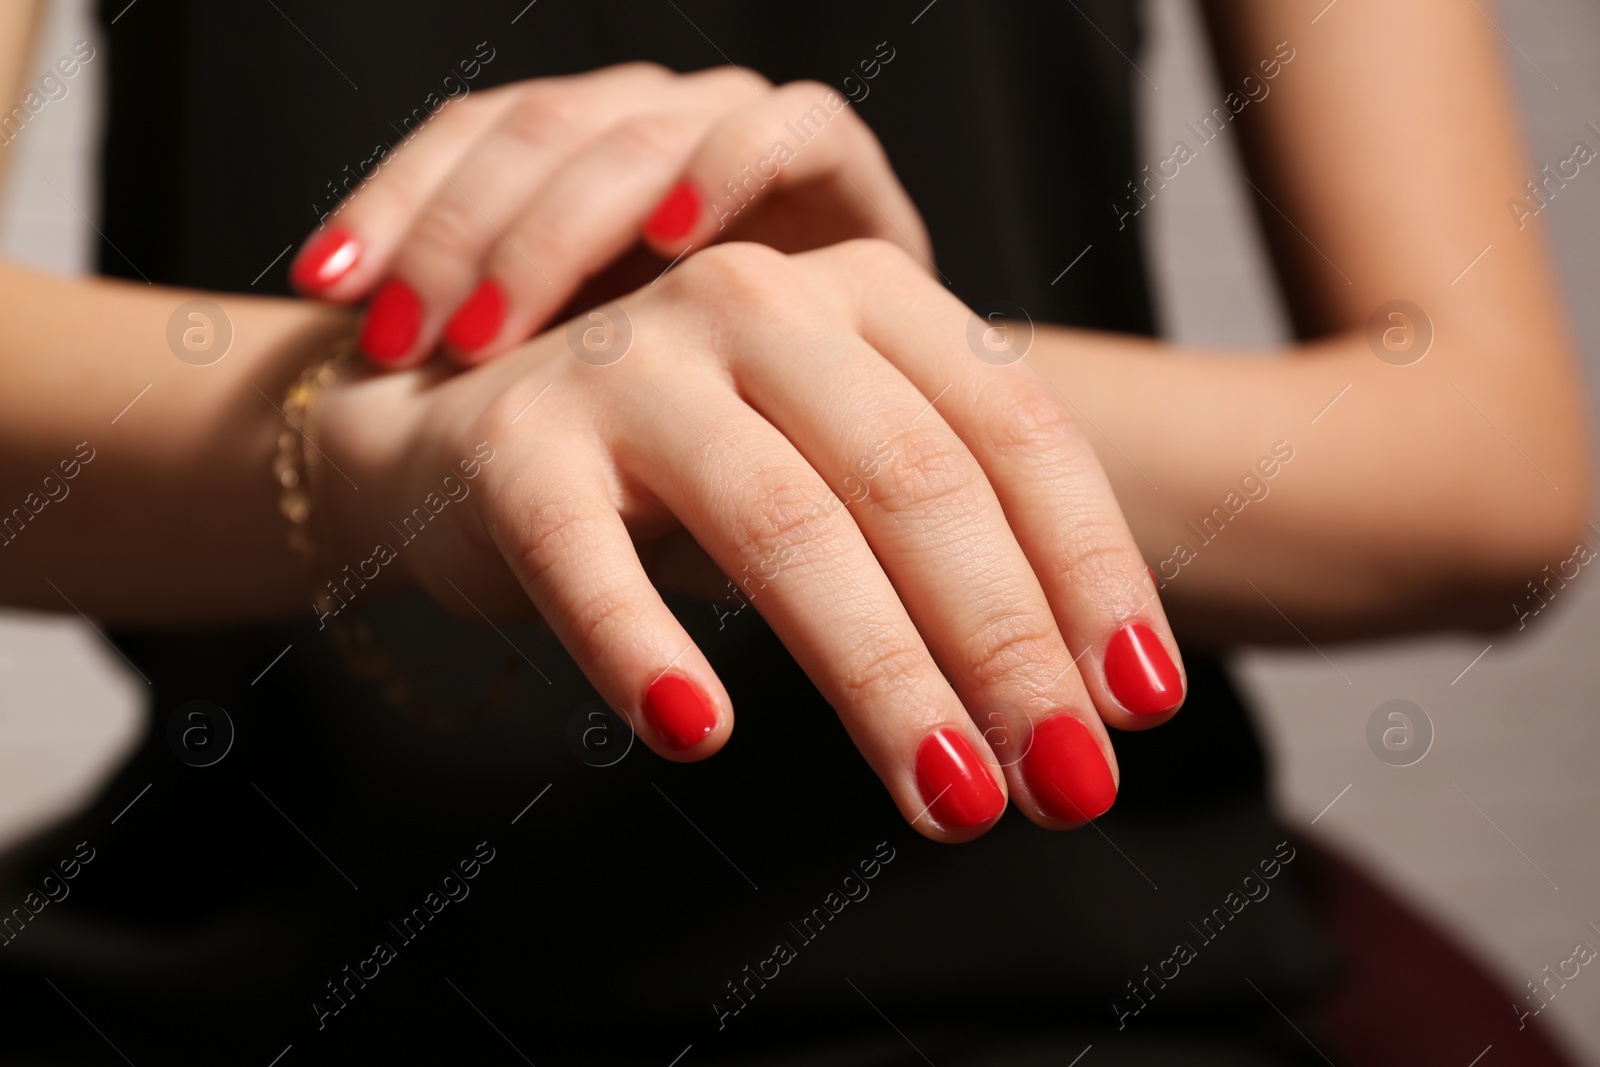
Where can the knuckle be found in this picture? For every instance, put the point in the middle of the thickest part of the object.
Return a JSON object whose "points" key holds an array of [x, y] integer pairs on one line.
{"points": [[1010, 644], [885, 671], [1026, 419], [880, 255], [475, 107], [493, 421], [873, 261], [546, 541], [541, 237], [809, 91], [595, 626], [742, 76], [1091, 553], [837, 122], [447, 229], [643, 68], [544, 119], [933, 467], [747, 138], [782, 517], [813, 106], [642, 140], [734, 81], [380, 201], [739, 272], [545, 536]]}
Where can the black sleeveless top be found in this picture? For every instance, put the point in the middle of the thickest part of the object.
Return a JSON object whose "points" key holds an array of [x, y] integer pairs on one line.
{"points": [[358, 883]]}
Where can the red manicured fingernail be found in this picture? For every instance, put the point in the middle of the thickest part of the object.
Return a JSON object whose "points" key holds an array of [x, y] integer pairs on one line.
{"points": [[676, 215], [1069, 777], [478, 319], [392, 322], [1140, 673], [679, 711], [325, 260], [955, 784]]}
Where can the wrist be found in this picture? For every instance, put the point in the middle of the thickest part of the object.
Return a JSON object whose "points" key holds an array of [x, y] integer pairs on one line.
{"points": [[367, 438]]}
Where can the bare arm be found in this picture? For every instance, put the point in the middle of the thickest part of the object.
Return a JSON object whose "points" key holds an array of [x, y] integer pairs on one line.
{"points": [[174, 514], [164, 510], [1428, 494], [19, 27]]}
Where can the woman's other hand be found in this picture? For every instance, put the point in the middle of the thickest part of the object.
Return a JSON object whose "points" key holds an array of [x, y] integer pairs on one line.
{"points": [[480, 231]]}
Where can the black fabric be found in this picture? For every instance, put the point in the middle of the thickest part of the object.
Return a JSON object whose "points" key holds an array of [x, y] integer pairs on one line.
{"points": [[618, 908]]}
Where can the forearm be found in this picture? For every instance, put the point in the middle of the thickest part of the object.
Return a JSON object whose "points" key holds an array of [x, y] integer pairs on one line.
{"points": [[174, 517], [1405, 503], [19, 26]]}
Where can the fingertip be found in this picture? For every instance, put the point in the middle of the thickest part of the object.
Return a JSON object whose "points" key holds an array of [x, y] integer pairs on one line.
{"points": [[958, 790], [683, 717], [325, 260], [1140, 673], [675, 217], [477, 322], [1067, 773], [390, 328]]}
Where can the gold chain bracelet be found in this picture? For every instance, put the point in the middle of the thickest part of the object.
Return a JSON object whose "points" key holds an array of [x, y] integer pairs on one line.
{"points": [[295, 467]]}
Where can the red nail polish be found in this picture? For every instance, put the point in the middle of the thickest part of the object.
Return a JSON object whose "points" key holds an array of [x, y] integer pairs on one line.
{"points": [[392, 322], [325, 260], [478, 319], [676, 215], [1139, 672], [679, 711], [955, 784], [1069, 777]]}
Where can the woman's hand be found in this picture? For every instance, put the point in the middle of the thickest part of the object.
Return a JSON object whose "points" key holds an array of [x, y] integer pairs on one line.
{"points": [[485, 227], [746, 397]]}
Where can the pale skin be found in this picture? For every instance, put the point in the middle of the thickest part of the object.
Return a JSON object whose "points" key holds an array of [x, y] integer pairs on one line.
{"points": [[538, 186], [1404, 507]]}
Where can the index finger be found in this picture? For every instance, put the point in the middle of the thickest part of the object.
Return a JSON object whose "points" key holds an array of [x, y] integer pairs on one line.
{"points": [[351, 249]]}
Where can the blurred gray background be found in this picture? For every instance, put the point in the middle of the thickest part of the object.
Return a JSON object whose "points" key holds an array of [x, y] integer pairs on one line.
{"points": [[1495, 833]]}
